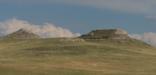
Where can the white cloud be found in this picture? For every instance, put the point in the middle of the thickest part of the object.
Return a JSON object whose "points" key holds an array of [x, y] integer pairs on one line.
{"points": [[151, 17], [45, 30], [149, 37]]}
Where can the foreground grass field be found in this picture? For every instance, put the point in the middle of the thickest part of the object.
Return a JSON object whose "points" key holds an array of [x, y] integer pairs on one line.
{"points": [[76, 57]]}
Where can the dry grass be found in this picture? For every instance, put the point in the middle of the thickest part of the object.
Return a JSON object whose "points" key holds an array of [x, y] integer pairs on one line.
{"points": [[90, 57]]}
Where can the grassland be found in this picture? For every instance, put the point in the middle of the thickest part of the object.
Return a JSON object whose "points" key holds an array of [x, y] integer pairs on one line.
{"points": [[69, 57]]}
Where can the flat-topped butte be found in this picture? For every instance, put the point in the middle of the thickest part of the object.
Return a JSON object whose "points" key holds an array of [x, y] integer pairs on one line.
{"points": [[107, 34]]}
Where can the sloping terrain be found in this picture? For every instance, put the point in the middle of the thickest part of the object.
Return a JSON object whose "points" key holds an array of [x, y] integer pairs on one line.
{"points": [[22, 34], [76, 57]]}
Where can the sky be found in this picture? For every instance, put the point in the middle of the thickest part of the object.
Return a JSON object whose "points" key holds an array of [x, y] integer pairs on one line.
{"points": [[75, 17]]}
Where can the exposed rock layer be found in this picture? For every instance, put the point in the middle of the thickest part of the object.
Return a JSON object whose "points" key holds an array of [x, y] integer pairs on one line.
{"points": [[107, 34], [22, 34]]}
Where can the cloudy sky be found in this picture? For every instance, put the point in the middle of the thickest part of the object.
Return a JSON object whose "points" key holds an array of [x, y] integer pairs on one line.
{"points": [[138, 17]]}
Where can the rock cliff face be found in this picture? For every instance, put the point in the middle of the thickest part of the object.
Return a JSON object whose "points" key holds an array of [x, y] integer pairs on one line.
{"points": [[22, 34], [107, 34]]}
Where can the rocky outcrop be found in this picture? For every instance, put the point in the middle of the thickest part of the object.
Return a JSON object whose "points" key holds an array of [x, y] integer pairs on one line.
{"points": [[22, 34], [106, 34]]}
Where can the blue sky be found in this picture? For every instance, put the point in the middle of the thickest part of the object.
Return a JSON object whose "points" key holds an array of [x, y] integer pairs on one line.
{"points": [[68, 18], [135, 16]]}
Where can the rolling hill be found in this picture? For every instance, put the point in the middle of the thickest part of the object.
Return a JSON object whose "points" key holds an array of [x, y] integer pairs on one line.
{"points": [[76, 56]]}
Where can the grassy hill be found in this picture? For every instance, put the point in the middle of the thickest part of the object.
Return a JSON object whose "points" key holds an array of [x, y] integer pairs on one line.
{"points": [[76, 57]]}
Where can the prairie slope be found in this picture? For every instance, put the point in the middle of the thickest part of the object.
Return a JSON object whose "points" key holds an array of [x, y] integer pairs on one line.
{"points": [[70, 57]]}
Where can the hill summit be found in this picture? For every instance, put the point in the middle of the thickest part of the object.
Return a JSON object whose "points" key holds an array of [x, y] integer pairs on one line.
{"points": [[22, 34], [116, 34]]}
